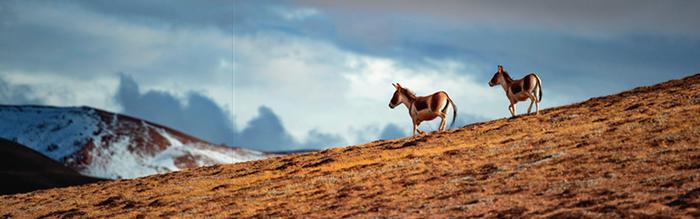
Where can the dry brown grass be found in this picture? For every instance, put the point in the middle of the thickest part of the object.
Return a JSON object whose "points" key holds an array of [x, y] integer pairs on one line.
{"points": [[632, 154]]}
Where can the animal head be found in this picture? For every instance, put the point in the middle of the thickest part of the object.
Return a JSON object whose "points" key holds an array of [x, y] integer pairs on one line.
{"points": [[396, 98], [497, 77], [399, 95]]}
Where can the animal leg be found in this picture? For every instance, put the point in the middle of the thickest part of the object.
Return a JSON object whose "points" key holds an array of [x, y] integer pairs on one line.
{"points": [[442, 122], [510, 109], [415, 128], [537, 107], [532, 100]]}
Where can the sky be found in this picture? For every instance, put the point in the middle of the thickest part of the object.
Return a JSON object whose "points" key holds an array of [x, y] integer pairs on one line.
{"points": [[290, 75]]}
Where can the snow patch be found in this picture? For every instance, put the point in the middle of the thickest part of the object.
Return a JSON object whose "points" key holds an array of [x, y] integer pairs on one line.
{"points": [[124, 147], [54, 132]]}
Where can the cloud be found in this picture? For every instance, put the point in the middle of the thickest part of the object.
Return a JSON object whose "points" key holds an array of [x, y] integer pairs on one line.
{"points": [[391, 131], [466, 119], [11, 94], [572, 45], [265, 132], [200, 117], [667, 17], [346, 92], [167, 12], [365, 133], [319, 140], [59, 90], [73, 40], [296, 14]]}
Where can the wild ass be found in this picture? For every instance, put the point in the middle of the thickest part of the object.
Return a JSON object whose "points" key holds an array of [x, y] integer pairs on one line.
{"points": [[424, 108], [519, 90]]}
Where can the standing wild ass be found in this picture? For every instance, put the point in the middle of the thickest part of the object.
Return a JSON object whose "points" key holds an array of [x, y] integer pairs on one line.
{"points": [[519, 90], [424, 108]]}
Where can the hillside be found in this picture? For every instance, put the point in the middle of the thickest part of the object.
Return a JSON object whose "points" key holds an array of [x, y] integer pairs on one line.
{"points": [[633, 154], [110, 145], [24, 170]]}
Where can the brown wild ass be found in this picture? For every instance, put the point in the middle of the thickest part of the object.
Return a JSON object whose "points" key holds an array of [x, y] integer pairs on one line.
{"points": [[519, 90], [424, 108]]}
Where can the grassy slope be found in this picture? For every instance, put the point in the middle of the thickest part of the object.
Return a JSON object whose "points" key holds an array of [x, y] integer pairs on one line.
{"points": [[634, 153], [23, 169]]}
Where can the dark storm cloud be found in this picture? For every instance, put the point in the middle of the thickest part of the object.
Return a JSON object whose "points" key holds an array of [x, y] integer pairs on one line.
{"points": [[674, 17], [77, 40], [30, 45], [166, 12], [552, 37], [12, 94], [238, 16]]}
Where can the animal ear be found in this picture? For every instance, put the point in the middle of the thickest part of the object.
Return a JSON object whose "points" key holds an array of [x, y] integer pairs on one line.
{"points": [[500, 68], [392, 84], [398, 85]]}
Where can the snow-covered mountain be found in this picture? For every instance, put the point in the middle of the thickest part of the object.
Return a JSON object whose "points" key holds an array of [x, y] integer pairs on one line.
{"points": [[109, 145]]}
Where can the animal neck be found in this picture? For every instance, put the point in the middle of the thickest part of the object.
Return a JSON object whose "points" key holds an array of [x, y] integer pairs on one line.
{"points": [[507, 78], [506, 82], [408, 99]]}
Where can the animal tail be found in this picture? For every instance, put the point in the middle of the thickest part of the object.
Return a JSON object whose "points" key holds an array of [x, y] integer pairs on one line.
{"points": [[454, 110], [539, 86]]}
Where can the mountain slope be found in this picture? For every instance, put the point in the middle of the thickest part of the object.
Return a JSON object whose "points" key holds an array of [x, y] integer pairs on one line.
{"points": [[24, 170], [109, 145], [633, 154]]}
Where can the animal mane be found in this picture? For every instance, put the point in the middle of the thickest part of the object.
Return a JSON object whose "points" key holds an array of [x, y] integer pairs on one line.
{"points": [[409, 92], [507, 77]]}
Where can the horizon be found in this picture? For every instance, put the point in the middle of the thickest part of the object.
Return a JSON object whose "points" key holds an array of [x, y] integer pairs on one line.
{"points": [[294, 75]]}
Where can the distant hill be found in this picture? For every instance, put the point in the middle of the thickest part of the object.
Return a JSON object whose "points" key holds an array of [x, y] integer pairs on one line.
{"points": [[24, 170], [109, 145], [630, 155]]}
